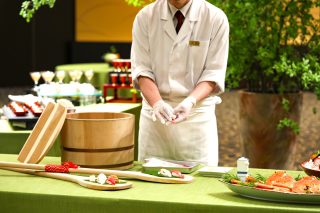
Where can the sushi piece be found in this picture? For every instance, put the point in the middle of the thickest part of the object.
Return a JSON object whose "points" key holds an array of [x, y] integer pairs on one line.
{"points": [[101, 178], [17, 108], [92, 178], [177, 174], [164, 173], [112, 180]]}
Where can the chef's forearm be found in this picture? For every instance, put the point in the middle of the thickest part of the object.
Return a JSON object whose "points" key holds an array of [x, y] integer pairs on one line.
{"points": [[203, 90], [149, 90]]}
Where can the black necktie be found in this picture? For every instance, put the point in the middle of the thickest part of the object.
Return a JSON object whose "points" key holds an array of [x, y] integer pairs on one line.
{"points": [[180, 19]]}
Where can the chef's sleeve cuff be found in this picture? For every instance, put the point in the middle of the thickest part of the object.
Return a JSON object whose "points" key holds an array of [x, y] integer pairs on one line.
{"points": [[138, 74], [217, 79]]}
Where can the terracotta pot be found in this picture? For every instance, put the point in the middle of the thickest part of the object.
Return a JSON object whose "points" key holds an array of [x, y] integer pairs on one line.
{"points": [[264, 144], [99, 140]]}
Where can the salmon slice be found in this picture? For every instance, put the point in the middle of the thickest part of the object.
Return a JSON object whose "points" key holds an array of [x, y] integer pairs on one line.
{"points": [[280, 179], [308, 184]]}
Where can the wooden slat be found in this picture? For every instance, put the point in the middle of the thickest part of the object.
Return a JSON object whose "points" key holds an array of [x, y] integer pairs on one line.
{"points": [[43, 134]]}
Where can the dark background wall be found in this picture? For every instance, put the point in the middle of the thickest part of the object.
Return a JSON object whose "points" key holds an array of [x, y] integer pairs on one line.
{"points": [[46, 41], [40, 44], [86, 52]]}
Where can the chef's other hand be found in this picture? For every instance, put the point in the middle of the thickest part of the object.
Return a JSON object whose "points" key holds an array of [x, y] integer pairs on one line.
{"points": [[163, 112], [183, 109]]}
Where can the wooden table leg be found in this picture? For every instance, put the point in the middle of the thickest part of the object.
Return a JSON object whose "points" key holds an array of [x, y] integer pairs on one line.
{"points": [[105, 91], [134, 97], [115, 93]]}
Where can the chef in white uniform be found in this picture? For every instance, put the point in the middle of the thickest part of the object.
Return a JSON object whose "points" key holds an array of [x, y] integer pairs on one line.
{"points": [[179, 73]]}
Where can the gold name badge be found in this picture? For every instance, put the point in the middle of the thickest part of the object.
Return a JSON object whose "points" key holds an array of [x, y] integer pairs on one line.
{"points": [[194, 43]]}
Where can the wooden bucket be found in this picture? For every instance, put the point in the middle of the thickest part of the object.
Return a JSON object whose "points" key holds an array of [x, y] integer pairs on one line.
{"points": [[98, 140]]}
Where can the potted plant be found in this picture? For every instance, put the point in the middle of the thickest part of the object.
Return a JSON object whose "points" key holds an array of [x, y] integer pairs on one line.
{"points": [[111, 55], [274, 55]]}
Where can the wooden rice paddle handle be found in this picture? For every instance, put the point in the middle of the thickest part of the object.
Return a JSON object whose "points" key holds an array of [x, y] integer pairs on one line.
{"points": [[120, 174], [74, 178]]}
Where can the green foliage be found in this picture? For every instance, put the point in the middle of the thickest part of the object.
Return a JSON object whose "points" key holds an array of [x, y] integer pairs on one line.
{"points": [[274, 45], [260, 178], [138, 3], [274, 48], [286, 104], [287, 122], [28, 8], [299, 177], [227, 177], [113, 49]]}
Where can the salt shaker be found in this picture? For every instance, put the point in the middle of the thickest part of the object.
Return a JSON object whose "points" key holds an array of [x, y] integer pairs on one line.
{"points": [[242, 168]]}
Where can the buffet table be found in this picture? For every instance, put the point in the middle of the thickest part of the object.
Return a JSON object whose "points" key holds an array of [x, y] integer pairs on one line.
{"points": [[100, 78], [21, 193], [12, 140], [100, 70]]}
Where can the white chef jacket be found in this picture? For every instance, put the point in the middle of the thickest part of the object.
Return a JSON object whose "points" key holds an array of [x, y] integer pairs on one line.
{"points": [[177, 63]]}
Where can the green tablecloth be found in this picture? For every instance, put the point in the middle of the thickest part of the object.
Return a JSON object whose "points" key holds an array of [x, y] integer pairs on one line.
{"points": [[25, 193], [100, 70], [11, 140]]}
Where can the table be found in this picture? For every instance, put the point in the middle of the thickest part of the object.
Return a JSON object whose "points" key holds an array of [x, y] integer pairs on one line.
{"points": [[115, 97], [12, 140], [79, 94], [100, 70], [25, 193], [101, 77]]}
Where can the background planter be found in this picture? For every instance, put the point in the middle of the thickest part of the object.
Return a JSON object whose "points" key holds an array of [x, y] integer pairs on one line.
{"points": [[262, 142]]}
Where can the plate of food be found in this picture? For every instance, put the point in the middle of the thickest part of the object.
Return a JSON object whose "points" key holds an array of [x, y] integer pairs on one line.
{"points": [[20, 115], [278, 187], [312, 166]]}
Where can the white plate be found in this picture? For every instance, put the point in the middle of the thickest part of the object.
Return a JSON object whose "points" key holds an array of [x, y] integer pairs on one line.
{"points": [[276, 196], [212, 171], [153, 165]]}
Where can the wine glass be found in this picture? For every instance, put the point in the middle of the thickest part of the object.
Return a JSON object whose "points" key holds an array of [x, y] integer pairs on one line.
{"points": [[114, 78], [35, 77], [127, 65], [120, 65], [88, 74], [123, 79], [73, 75], [47, 76], [78, 75], [115, 64], [60, 74]]}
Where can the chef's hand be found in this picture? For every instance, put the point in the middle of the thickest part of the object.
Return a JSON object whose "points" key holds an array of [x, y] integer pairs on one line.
{"points": [[183, 109], [163, 112]]}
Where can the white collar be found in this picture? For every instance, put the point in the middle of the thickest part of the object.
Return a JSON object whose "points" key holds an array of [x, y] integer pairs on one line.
{"points": [[184, 10]]}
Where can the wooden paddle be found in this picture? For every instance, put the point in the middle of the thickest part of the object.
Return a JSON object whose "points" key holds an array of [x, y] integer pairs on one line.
{"points": [[81, 180], [122, 174], [43, 134]]}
